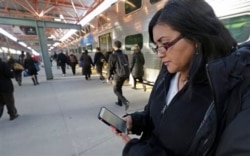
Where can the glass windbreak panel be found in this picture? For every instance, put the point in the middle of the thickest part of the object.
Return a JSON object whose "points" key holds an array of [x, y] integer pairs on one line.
{"points": [[132, 40], [239, 27], [154, 1], [132, 5]]}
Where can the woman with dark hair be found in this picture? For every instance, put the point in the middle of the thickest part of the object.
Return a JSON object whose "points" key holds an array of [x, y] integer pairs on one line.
{"points": [[29, 65], [190, 106]]}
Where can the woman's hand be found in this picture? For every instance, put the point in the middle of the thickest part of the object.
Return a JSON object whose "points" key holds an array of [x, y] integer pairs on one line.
{"points": [[125, 138], [128, 120]]}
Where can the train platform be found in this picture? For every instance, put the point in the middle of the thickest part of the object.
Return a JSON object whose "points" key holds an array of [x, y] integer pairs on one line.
{"points": [[59, 117]]}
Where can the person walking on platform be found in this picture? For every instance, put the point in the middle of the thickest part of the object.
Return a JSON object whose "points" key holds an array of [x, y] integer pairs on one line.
{"points": [[16, 70], [99, 60], [87, 63], [29, 66], [73, 62], [108, 53], [55, 58], [136, 68], [62, 60], [199, 104], [118, 70], [6, 91], [21, 58]]}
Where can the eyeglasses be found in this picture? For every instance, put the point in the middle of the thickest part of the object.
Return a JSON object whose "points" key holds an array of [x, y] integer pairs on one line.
{"points": [[162, 49]]}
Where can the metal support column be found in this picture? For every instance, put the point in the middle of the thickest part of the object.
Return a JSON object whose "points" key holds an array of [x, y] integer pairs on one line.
{"points": [[44, 50]]}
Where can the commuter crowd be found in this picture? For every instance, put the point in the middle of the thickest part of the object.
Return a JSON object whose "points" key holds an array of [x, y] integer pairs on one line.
{"points": [[28, 66]]}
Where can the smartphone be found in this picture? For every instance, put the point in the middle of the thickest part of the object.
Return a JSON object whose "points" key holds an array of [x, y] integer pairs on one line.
{"points": [[112, 119]]}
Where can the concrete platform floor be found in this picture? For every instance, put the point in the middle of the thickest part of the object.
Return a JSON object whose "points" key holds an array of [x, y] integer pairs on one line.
{"points": [[59, 117]]}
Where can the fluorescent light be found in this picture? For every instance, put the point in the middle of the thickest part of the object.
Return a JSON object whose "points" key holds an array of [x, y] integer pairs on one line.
{"points": [[102, 7], [55, 44], [23, 44], [57, 19], [34, 52], [68, 34], [5, 33], [61, 16]]}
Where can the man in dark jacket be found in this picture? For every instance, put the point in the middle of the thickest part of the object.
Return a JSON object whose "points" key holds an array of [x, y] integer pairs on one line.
{"points": [[6, 91], [21, 58], [63, 60], [99, 59], [113, 71]]}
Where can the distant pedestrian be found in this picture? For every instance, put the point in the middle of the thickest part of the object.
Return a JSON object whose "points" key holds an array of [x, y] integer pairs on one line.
{"points": [[6, 91], [118, 70], [62, 61], [29, 66], [87, 63], [21, 58], [73, 62], [99, 60], [16, 71], [55, 58], [136, 69]]}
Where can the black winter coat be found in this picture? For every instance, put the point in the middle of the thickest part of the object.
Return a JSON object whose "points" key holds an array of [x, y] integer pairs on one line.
{"points": [[87, 62], [137, 63], [29, 64], [6, 85], [189, 128], [62, 59], [99, 58]]}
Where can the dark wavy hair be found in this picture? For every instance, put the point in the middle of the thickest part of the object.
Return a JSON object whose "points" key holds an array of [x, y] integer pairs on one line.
{"points": [[196, 21], [118, 44]]}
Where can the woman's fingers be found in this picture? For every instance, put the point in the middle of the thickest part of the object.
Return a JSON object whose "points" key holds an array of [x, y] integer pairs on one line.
{"points": [[125, 138]]}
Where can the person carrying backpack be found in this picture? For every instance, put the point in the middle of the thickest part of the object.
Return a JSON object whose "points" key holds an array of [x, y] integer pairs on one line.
{"points": [[118, 69]]}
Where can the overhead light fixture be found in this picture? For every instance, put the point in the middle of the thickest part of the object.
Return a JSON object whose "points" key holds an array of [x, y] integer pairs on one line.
{"points": [[61, 16], [57, 19], [68, 34], [102, 7], [23, 44], [5, 33]]}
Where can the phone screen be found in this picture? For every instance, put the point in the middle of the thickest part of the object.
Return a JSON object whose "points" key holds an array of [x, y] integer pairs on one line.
{"points": [[112, 120]]}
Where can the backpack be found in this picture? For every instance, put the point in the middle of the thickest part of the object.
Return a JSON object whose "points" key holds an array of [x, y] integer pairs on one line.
{"points": [[122, 66]]}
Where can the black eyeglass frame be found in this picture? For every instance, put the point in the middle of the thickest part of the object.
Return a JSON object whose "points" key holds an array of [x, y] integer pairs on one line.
{"points": [[167, 45]]}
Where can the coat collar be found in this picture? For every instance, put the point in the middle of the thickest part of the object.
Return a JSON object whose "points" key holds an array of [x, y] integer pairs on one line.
{"points": [[225, 73]]}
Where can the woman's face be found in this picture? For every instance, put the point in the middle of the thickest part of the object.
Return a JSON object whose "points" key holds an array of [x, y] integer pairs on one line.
{"points": [[177, 56]]}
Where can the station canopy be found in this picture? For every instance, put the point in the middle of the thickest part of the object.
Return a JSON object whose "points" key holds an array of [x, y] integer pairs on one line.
{"points": [[59, 11]]}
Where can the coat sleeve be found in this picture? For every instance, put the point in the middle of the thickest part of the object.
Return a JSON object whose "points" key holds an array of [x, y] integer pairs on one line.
{"points": [[235, 139], [138, 147]]}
